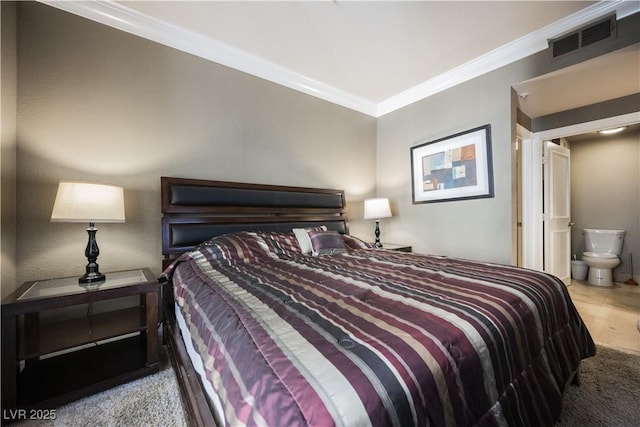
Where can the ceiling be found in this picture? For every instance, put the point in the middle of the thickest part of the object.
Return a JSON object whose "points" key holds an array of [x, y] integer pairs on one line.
{"points": [[596, 136], [373, 57]]}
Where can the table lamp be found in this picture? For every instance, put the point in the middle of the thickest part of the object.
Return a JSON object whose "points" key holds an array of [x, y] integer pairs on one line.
{"points": [[377, 208], [92, 203]]}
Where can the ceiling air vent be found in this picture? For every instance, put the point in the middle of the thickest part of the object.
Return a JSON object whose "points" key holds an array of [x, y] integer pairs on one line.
{"points": [[594, 32]]}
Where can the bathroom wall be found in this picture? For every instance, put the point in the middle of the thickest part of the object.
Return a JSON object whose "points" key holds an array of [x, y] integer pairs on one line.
{"points": [[605, 193]]}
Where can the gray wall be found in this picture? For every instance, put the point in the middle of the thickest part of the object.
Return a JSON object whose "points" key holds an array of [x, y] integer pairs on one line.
{"points": [[478, 228], [97, 104], [605, 192], [8, 86]]}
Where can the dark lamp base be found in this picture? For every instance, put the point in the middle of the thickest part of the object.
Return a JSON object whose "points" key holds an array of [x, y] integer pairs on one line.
{"points": [[92, 272], [92, 278], [377, 243]]}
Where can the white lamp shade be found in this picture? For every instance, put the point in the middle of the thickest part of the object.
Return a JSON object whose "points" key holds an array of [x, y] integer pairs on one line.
{"points": [[84, 202], [377, 208]]}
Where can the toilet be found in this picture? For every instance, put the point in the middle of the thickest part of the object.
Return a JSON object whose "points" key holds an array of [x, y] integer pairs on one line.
{"points": [[602, 250]]}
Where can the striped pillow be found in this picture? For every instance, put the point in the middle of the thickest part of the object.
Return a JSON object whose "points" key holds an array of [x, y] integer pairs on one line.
{"points": [[303, 237], [326, 243]]}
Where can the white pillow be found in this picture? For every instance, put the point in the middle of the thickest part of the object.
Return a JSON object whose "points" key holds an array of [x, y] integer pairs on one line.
{"points": [[303, 238]]}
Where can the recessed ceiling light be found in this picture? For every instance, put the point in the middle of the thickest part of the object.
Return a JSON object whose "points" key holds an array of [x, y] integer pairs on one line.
{"points": [[612, 131]]}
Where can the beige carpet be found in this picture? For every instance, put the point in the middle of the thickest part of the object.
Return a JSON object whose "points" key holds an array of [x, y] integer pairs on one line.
{"points": [[608, 397], [609, 393], [149, 401]]}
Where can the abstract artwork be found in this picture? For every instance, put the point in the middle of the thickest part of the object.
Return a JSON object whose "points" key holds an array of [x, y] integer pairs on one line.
{"points": [[456, 167]]}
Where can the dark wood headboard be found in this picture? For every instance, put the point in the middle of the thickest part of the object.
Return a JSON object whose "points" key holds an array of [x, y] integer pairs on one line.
{"points": [[195, 210]]}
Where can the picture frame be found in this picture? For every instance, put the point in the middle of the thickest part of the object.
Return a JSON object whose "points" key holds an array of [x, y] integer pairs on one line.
{"points": [[456, 167]]}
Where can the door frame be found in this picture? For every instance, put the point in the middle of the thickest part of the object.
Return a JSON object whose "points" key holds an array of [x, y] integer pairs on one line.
{"points": [[531, 194]]}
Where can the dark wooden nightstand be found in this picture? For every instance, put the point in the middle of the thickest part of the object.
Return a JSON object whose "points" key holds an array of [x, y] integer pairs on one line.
{"points": [[62, 341], [393, 247]]}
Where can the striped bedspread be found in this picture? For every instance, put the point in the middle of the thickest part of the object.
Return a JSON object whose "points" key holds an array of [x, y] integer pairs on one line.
{"points": [[376, 337]]}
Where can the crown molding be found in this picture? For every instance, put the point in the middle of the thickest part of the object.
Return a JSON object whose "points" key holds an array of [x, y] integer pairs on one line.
{"points": [[134, 22]]}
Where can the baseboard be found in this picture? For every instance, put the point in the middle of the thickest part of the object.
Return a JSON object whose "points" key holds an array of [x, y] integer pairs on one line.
{"points": [[623, 277]]}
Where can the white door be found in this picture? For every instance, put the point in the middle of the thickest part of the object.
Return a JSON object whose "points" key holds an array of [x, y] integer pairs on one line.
{"points": [[557, 211]]}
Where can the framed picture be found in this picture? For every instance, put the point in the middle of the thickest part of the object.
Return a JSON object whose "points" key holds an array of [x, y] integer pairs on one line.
{"points": [[457, 167]]}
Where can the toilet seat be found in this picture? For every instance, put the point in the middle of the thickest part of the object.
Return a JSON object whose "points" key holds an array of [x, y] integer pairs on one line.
{"points": [[602, 255]]}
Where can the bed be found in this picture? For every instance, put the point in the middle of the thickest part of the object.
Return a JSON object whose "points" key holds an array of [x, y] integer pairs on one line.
{"points": [[267, 326]]}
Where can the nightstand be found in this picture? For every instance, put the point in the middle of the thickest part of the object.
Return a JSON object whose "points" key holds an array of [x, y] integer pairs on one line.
{"points": [[393, 247], [62, 341]]}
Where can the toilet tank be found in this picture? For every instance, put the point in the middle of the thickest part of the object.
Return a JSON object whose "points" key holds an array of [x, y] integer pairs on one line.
{"points": [[607, 241]]}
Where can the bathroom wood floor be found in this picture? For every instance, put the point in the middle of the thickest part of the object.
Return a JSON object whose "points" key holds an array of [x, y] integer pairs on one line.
{"points": [[612, 315]]}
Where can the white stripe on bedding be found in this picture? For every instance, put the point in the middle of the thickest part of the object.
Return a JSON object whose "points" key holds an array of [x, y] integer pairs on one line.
{"points": [[196, 361]]}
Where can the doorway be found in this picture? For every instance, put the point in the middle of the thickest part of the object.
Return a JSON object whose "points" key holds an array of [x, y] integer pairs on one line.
{"points": [[531, 195]]}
